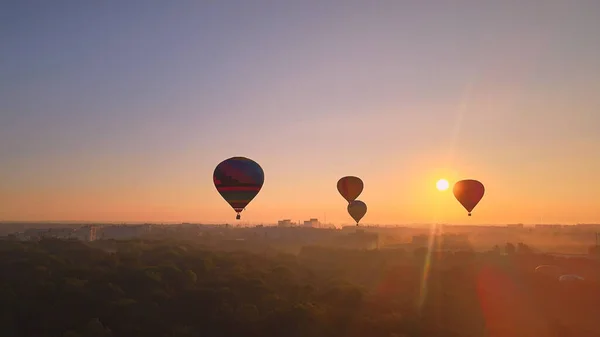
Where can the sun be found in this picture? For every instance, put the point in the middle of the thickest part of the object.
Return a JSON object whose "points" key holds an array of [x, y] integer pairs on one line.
{"points": [[442, 184]]}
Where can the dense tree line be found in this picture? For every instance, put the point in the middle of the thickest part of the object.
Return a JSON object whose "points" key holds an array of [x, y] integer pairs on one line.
{"points": [[175, 289]]}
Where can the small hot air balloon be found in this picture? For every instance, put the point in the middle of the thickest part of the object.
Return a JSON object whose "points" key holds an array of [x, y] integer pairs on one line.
{"points": [[469, 192], [350, 187], [357, 210], [238, 180]]}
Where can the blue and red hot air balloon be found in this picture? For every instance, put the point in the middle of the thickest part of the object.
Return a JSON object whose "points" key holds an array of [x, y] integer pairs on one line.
{"points": [[238, 180]]}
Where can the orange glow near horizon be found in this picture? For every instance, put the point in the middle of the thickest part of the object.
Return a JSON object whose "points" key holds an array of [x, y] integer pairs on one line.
{"points": [[391, 198]]}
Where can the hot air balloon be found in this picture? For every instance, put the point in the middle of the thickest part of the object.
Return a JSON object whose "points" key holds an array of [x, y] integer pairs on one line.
{"points": [[469, 192], [238, 180], [350, 187], [357, 210]]}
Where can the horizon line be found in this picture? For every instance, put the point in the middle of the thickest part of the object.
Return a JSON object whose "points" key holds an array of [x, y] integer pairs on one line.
{"points": [[275, 223]]}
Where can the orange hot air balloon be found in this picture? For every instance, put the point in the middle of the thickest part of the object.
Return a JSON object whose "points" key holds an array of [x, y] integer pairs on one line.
{"points": [[350, 187], [357, 210], [469, 192]]}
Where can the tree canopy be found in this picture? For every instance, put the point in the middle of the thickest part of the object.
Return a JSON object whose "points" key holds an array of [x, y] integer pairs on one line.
{"points": [[173, 288]]}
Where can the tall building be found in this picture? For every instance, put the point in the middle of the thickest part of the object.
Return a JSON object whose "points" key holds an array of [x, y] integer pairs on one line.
{"points": [[87, 233]]}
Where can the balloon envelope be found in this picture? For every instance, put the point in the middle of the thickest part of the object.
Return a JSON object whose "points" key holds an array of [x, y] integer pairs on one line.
{"points": [[238, 180], [350, 187], [357, 210], [469, 192]]}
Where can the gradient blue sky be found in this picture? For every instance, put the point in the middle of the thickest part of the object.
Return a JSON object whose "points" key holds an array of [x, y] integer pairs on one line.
{"points": [[120, 110]]}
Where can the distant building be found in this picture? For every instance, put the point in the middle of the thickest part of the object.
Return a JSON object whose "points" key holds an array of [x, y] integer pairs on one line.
{"points": [[44, 233], [548, 227], [284, 223], [86, 233], [19, 236], [124, 231], [588, 226], [312, 223]]}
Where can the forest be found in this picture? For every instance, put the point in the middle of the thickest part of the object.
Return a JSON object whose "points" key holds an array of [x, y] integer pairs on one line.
{"points": [[177, 288]]}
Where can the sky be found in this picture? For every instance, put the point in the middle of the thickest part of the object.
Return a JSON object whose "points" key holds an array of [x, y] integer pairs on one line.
{"points": [[120, 110]]}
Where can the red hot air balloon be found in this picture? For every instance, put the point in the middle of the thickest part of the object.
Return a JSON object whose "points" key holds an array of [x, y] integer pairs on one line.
{"points": [[238, 180], [350, 187], [469, 192]]}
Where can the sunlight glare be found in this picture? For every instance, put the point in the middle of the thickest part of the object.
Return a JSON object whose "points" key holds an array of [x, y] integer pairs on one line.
{"points": [[442, 185]]}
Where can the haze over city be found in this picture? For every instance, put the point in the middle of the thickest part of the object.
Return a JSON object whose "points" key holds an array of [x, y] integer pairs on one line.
{"points": [[322, 168], [120, 111]]}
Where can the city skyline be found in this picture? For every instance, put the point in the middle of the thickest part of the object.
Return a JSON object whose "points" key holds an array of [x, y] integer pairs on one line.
{"points": [[113, 113]]}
